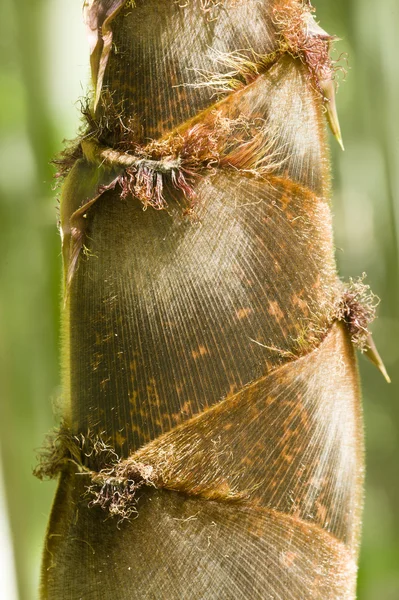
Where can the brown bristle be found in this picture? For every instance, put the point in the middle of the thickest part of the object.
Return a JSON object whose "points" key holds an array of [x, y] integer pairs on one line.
{"points": [[357, 309], [304, 39]]}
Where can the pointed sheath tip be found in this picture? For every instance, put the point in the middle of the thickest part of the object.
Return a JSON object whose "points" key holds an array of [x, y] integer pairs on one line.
{"points": [[373, 355], [333, 121], [328, 89], [339, 139]]}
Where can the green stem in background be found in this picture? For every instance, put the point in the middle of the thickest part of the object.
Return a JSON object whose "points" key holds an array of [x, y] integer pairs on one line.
{"points": [[29, 296]]}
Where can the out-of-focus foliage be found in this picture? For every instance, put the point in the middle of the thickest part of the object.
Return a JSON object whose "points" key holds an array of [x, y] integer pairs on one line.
{"points": [[39, 56], [366, 208], [43, 59]]}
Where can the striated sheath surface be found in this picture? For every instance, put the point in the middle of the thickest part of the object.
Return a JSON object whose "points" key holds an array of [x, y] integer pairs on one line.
{"points": [[212, 442]]}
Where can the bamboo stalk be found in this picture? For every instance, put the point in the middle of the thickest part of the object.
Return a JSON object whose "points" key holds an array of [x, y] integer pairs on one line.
{"points": [[213, 405]]}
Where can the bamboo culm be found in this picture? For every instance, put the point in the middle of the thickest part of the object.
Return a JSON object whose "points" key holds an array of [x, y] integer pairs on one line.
{"points": [[211, 445]]}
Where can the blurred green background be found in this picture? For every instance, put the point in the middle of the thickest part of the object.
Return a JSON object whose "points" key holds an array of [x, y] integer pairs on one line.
{"points": [[43, 71]]}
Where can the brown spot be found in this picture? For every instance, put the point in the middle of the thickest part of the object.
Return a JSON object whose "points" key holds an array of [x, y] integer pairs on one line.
{"points": [[176, 418], [317, 284], [120, 439], [285, 200], [202, 351], [321, 512], [179, 389], [228, 426], [242, 313], [287, 559], [232, 390], [186, 408], [133, 366], [275, 311], [301, 304], [133, 398], [289, 458]]}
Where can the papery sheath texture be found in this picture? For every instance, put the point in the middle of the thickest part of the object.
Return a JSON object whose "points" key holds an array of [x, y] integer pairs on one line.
{"points": [[211, 445]]}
